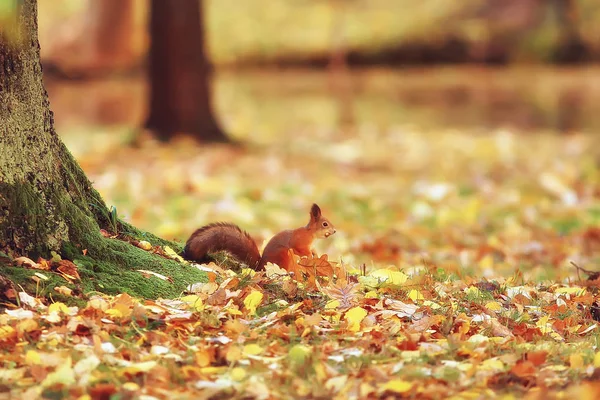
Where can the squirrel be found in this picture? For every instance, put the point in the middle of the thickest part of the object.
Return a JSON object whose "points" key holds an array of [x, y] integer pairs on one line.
{"points": [[224, 236]]}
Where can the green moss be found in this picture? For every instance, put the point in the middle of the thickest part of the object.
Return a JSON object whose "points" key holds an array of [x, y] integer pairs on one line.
{"points": [[25, 219], [118, 272], [110, 265], [23, 279], [115, 273]]}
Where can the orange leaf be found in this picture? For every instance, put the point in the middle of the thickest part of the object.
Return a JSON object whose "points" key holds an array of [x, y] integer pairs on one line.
{"points": [[537, 358], [523, 369]]}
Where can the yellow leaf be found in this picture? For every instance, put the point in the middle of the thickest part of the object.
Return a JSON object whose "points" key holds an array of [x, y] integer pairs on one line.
{"points": [[578, 291], [333, 304], [237, 374], [233, 310], [252, 349], [415, 295], [195, 301], [473, 291], [252, 301], [58, 307], [354, 316], [32, 357], [144, 245], [320, 371], [169, 252], [131, 386], [487, 262], [64, 290], [203, 358], [389, 276], [371, 294], [233, 354], [27, 325], [431, 304], [397, 386], [493, 306], [544, 325], [494, 241], [299, 353], [213, 370], [470, 212], [597, 360], [63, 375], [492, 364], [113, 312], [576, 361], [248, 272], [136, 368]]}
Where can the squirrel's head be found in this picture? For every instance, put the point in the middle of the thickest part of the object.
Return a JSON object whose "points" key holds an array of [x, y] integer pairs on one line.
{"points": [[321, 225]]}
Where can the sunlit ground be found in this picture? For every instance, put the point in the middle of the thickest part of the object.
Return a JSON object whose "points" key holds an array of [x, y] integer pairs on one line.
{"points": [[463, 169]]}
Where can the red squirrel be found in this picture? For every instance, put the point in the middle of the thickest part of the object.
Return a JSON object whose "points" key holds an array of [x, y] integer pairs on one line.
{"points": [[223, 236]]}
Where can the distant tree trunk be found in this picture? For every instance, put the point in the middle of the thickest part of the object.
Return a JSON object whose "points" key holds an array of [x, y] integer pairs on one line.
{"points": [[340, 78], [45, 198], [180, 101], [571, 47], [102, 42]]}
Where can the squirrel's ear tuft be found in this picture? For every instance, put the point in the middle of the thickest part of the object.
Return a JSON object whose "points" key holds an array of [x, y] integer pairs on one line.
{"points": [[315, 212]]}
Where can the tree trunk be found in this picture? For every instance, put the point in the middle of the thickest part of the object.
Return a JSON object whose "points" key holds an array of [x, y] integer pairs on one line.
{"points": [[103, 42], [571, 47], [45, 197], [179, 73], [46, 201]]}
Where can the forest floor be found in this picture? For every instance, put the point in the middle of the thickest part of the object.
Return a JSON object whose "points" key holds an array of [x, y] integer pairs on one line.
{"points": [[459, 250]]}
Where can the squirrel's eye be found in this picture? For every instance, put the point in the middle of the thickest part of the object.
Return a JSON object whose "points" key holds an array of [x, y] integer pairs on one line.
{"points": [[325, 224]]}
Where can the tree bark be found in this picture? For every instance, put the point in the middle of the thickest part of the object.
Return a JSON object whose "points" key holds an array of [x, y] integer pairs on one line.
{"points": [[46, 201], [45, 198], [180, 100]]}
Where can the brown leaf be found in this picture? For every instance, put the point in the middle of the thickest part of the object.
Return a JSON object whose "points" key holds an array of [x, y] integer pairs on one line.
{"points": [[68, 270], [290, 288], [105, 233], [102, 391], [347, 294], [423, 324], [497, 328], [218, 298]]}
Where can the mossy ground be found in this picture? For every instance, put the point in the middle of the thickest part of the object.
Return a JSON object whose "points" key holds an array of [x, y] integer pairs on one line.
{"points": [[113, 270]]}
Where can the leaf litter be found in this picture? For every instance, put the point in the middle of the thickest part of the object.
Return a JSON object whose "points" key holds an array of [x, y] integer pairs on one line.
{"points": [[438, 288]]}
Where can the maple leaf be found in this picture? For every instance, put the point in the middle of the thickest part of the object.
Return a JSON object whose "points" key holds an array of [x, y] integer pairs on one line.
{"points": [[307, 270], [347, 295]]}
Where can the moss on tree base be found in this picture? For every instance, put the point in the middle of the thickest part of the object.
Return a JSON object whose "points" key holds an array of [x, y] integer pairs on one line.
{"points": [[113, 272]]}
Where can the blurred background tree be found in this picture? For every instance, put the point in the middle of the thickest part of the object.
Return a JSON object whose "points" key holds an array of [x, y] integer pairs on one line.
{"points": [[302, 79], [109, 37], [102, 40], [179, 73]]}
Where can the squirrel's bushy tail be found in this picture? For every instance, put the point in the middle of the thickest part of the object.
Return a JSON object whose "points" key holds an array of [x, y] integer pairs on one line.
{"points": [[222, 236]]}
